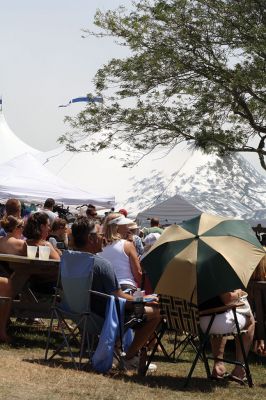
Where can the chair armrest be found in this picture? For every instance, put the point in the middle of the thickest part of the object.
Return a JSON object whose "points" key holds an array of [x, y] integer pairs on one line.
{"points": [[4, 299], [137, 308], [104, 295], [129, 303], [218, 310]]}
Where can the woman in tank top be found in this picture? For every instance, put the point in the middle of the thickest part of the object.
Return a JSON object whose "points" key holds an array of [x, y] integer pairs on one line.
{"points": [[120, 252]]}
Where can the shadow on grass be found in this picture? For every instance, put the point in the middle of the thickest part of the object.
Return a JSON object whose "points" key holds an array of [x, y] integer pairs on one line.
{"points": [[171, 382], [31, 336], [27, 336], [164, 381], [160, 357], [57, 363]]}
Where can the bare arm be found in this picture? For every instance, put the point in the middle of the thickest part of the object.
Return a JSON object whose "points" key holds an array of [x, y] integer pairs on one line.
{"points": [[120, 293], [131, 252], [231, 297], [53, 253]]}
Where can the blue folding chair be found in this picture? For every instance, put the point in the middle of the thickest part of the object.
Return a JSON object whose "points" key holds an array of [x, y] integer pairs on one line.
{"points": [[72, 302]]}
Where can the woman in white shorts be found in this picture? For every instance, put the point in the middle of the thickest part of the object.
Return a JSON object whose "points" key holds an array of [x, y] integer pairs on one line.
{"points": [[224, 323]]}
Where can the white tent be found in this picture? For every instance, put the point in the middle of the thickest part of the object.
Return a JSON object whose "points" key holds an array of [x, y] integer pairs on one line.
{"points": [[256, 217], [25, 178], [10, 145], [172, 211], [219, 186]]}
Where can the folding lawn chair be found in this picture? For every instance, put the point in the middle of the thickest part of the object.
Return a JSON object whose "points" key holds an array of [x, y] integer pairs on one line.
{"points": [[72, 302], [183, 316], [175, 321]]}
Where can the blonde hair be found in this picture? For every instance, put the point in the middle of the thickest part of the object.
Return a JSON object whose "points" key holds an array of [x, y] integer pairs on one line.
{"points": [[10, 223], [110, 232], [259, 274]]}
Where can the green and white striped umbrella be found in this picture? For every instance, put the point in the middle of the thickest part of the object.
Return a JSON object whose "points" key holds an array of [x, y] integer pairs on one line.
{"points": [[202, 258]]}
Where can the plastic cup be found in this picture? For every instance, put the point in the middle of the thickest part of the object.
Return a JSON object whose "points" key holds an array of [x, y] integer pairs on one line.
{"points": [[44, 252], [31, 251]]}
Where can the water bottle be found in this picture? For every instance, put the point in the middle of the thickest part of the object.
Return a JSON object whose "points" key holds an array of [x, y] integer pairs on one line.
{"points": [[138, 307], [138, 295]]}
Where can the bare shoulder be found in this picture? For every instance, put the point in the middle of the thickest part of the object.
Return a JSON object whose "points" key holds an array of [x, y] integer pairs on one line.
{"points": [[128, 246], [16, 242]]}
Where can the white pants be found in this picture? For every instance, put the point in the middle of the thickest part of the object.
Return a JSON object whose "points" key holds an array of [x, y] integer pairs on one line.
{"points": [[223, 323]]}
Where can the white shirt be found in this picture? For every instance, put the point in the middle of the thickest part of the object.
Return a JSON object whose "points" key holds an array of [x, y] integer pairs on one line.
{"points": [[116, 255]]}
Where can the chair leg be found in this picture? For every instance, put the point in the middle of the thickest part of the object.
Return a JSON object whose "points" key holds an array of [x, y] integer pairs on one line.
{"points": [[246, 365], [158, 336], [49, 335], [206, 363], [83, 340], [200, 352], [86, 343], [65, 343], [144, 369], [185, 342]]}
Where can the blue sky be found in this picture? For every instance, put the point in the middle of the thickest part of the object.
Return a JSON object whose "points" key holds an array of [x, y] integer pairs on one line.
{"points": [[44, 62]]}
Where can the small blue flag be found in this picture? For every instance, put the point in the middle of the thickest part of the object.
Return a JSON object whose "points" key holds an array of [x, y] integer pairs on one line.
{"points": [[96, 99], [1, 100]]}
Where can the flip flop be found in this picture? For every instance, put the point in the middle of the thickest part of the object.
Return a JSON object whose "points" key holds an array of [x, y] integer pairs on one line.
{"points": [[238, 380], [220, 377]]}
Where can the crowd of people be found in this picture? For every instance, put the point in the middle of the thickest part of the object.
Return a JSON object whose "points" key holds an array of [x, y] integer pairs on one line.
{"points": [[118, 245], [115, 241]]}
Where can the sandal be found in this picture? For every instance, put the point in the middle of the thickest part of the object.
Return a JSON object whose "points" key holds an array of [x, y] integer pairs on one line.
{"points": [[238, 380], [220, 377]]}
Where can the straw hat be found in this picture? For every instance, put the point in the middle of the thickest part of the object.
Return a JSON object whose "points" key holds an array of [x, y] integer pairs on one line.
{"points": [[133, 226]]}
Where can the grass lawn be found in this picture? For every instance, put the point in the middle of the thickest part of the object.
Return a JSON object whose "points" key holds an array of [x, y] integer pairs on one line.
{"points": [[24, 375]]}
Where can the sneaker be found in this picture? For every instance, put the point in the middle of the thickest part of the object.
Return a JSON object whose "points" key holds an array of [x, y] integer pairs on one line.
{"points": [[133, 364], [152, 367]]}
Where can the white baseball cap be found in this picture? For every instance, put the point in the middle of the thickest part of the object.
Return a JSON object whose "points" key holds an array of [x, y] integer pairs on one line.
{"points": [[122, 220]]}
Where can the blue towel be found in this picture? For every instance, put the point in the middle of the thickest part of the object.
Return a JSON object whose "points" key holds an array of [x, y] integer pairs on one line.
{"points": [[103, 357]]}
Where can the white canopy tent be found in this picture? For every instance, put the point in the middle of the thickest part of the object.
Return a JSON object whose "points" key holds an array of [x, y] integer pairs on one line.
{"points": [[256, 217], [11, 146], [25, 178], [227, 186], [23, 175], [224, 186], [172, 211]]}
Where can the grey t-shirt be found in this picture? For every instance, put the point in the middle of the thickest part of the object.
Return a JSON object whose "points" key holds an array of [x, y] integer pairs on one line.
{"points": [[104, 278], [104, 281]]}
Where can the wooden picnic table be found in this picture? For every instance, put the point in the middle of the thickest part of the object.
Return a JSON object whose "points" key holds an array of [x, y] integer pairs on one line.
{"points": [[22, 269]]}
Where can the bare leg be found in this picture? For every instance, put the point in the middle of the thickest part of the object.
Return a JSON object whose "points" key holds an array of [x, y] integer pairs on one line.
{"points": [[143, 334], [247, 342], [259, 346], [218, 345], [5, 308]]}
